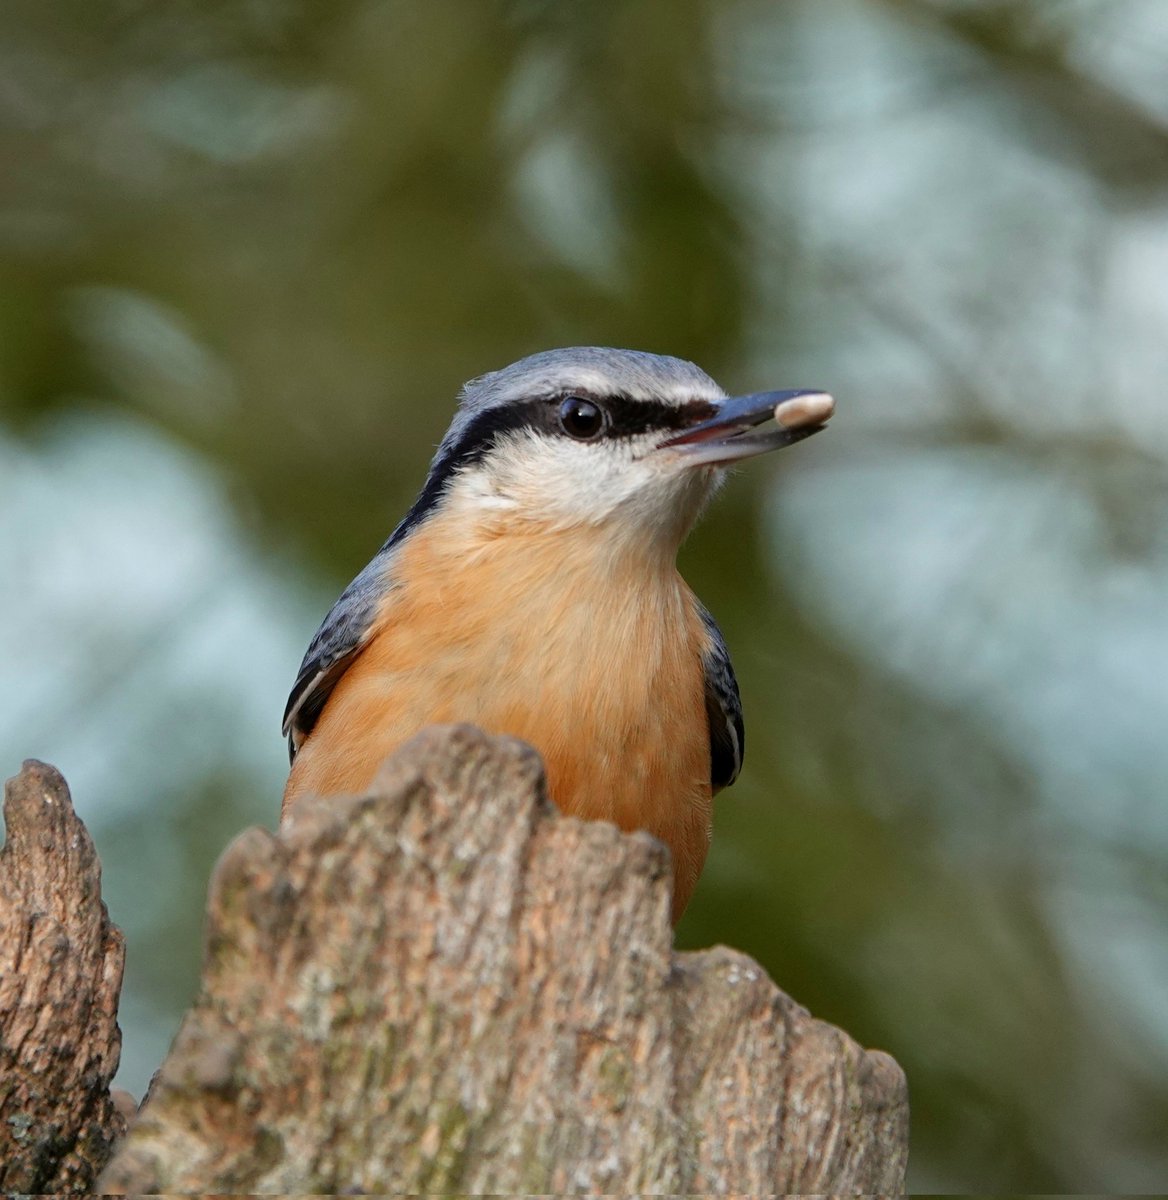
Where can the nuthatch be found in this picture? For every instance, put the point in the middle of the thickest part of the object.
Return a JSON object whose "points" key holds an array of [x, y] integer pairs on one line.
{"points": [[532, 590]]}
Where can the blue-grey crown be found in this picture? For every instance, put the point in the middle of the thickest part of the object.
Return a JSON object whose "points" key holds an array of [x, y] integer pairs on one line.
{"points": [[491, 405], [631, 374]]}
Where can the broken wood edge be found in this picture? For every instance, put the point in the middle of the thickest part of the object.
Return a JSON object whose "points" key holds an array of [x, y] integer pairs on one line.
{"points": [[61, 963], [738, 1087]]}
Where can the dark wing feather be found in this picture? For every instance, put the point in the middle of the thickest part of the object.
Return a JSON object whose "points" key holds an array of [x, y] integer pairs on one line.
{"points": [[346, 630], [343, 634], [723, 709]]}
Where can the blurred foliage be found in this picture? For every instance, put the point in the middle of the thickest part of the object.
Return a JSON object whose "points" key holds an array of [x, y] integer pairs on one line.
{"points": [[249, 251]]}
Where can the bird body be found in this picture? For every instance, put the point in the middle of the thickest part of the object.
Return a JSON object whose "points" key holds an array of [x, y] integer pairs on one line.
{"points": [[532, 590], [542, 636]]}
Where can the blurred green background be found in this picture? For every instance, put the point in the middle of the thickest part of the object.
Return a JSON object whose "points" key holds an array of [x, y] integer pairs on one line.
{"points": [[249, 251]]}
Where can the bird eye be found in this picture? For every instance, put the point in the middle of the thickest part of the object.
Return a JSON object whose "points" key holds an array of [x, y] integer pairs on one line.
{"points": [[581, 419]]}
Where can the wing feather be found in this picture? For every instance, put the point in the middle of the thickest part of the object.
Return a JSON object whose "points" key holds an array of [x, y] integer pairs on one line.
{"points": [[723, 708], [342, 636]]}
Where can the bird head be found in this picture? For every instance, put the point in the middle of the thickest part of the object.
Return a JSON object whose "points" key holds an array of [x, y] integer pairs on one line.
{"points": [[622, 442]]}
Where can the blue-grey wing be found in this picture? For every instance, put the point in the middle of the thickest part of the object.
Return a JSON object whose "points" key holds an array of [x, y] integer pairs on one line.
{"points": [[723, 709], [343, 634]]}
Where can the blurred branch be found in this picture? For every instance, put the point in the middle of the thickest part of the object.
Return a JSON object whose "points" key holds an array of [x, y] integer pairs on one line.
{"points": [[1099, 128]]}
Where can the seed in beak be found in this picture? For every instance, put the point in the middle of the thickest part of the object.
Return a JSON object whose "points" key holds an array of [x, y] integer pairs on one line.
{"points": [[813, 408]]}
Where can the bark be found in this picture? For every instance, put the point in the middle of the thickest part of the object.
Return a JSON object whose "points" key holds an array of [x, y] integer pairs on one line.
{"points": [[60, 976], [443, 986]]}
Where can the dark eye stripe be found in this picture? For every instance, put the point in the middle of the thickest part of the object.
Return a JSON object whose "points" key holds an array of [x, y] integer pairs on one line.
{"points": [[631, 417], [627, 418]]}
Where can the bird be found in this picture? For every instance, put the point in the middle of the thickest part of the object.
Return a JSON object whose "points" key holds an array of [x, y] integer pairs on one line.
{"points": [[532, 590]]}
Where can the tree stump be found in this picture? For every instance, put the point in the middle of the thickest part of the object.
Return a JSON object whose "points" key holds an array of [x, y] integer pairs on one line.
{"points": [[445, 986], [60, 977]]}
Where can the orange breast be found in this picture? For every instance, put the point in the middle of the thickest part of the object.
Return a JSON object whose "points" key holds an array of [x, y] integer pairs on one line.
{"points": [[593, 657]]}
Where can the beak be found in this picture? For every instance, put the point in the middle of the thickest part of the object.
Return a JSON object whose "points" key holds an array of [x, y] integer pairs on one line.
{"points": [[734, 433]]}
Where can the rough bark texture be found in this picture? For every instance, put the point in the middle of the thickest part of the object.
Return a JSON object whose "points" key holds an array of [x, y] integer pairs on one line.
{"points": [[60, 976], [443, 986]]}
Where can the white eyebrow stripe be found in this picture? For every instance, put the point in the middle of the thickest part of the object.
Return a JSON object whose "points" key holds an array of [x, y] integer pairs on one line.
{"points": [[598, 383]]}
